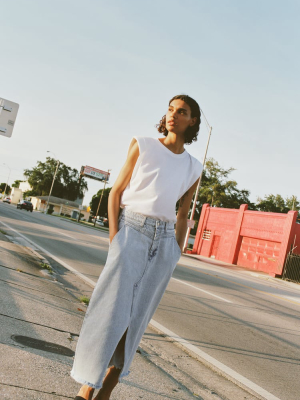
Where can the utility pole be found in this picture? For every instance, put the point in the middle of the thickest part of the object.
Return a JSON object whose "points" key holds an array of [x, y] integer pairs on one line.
{"points": [[106, 179], [45, 212], [79, 183], [7, 178], [293, 203], [198, 186]]}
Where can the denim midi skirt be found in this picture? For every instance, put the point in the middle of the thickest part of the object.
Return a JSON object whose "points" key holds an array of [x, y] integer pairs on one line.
{"points": [[141, 259]]}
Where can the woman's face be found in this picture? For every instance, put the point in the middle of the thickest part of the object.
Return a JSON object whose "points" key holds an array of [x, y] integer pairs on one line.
{"points": [[178, 117]]}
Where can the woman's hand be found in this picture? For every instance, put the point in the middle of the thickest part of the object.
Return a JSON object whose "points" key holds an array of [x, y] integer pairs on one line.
{"points": [[111, 236]]}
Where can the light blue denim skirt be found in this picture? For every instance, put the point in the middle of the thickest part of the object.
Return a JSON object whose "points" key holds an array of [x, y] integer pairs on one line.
{"points": [[141, 259]]}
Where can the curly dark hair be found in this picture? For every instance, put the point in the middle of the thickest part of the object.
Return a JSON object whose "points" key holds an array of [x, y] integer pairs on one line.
{"points": [[190, 135]]}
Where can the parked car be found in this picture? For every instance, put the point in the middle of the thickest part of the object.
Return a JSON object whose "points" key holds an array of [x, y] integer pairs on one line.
{"points": [[99, 222], [25, 205], [105, 222], [7, 200]]}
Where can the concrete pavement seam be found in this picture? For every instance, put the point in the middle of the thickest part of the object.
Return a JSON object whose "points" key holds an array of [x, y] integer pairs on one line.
{"points": [[35, 390], [36, 290], [36, 323], [28, 273]]}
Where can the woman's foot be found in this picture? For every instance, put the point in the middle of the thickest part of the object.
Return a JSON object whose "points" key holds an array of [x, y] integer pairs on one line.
{"points": [[86, 392], [110, 381]]}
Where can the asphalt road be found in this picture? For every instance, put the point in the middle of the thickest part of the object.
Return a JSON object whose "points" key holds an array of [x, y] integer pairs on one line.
{"points": [[245, 320]]}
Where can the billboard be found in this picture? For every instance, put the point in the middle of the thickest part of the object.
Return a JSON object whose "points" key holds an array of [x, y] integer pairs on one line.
{"points": [[94, 173], [8, 115]]}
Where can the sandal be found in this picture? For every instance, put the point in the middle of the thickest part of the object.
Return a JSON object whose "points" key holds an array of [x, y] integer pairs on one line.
{"points": [[79, 398]]}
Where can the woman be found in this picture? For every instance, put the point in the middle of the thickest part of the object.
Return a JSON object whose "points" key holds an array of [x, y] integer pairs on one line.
{"points": [[143, 249]]}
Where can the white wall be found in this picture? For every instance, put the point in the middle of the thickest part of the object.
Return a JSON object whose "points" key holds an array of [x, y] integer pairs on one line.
{"points": [[16, 195], [24, 186]]}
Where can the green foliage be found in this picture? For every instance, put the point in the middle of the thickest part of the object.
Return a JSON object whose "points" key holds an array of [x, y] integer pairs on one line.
{"points": [[292, 203], [276, 203], [104, 202], [16, 183], [66, 183], [218, 190], [2, 187], [84, 299], [46, 266]]}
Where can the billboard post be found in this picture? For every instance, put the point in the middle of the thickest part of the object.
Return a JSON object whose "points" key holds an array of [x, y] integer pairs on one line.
{"points": [[106, 178], [98, 175]]}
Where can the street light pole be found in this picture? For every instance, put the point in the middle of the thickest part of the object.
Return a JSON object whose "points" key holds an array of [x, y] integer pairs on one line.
{"points": [[7, 178], [106, 178], [198, 186], [45, 212]]}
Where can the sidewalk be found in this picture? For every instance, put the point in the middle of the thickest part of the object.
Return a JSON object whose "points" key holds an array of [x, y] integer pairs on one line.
{"points": [[40, 320]]}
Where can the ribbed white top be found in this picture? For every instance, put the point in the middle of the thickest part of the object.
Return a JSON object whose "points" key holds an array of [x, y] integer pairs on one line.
{"points": [[160, 177]]}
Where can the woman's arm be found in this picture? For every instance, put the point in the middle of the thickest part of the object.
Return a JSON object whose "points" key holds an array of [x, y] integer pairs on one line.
{"points": [[182, 215], [119, 186]]}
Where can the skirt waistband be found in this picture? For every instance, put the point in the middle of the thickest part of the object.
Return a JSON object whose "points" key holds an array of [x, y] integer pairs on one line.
{"points": [[142, 220]]}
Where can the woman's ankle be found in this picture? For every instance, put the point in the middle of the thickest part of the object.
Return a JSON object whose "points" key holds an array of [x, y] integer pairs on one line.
{"points": [[86, 392], [103, 395]]}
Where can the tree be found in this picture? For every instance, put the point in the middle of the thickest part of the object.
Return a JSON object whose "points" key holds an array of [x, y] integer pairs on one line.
{"points": [[16, 183], [2, 187], [66, 183], [276, 203], [272, 203], [104, 202], [292, 203]]}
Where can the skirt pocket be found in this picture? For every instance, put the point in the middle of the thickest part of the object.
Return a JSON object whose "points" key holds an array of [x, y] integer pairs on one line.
{"points": [[178, 249], [121, 227]]}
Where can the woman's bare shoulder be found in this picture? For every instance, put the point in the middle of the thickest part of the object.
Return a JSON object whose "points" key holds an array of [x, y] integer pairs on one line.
{"points": [[133, 149]]}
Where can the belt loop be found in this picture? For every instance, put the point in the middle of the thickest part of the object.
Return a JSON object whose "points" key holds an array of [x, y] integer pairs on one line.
{"points": [[143, 220], [121, 214]]}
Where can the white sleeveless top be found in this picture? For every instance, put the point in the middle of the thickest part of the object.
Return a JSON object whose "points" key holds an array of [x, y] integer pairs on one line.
{"points": [[159, 179]]}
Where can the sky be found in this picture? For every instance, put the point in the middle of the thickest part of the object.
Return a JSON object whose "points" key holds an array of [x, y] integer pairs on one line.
{"points": [[91, 75]]}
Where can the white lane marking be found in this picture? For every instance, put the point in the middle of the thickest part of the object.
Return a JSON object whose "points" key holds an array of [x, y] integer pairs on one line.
{"points": [[295, 299], [212, 361], [67, 235], [184, 343], [87, 280], [235, 282], [201, 290]]}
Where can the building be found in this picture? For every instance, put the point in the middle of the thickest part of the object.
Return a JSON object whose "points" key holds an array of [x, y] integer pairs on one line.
{"points": [[60, 206], [25, 186], [16, 195], [253, 239]]}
